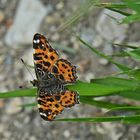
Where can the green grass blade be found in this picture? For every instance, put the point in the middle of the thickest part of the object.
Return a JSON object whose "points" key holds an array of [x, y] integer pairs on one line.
{"points": [[74, 17], [120, 82], [120, 5], [105, 86], [131, 19], [125, 46], [119, 11], [115, 81], [103, 104], [108, 105], [123, 119], [134, 54], [134, 73], [126, 108], [133, 95], [120, 66], [133, 4], [119, 54], [96, 88], [19, 93]]}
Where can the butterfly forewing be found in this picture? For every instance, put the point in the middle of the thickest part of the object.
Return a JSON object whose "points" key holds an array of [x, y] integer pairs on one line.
{"points": [[44, 56]]}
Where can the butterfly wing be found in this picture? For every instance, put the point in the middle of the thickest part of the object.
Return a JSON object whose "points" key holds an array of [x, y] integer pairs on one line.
{"points": [[44, 56], [48, 106], [64, 71], [51, 105], [69, 98], [46, 61]]}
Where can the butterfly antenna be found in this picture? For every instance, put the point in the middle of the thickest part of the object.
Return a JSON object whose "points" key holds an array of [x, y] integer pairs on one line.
{"points": [[26, 66]]}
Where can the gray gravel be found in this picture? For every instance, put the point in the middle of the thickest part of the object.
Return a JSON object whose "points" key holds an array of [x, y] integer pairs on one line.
{"points": [[25, 123]]}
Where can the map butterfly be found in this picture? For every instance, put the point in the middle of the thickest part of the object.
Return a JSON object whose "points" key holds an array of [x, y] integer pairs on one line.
{"points": [[52, 75]]}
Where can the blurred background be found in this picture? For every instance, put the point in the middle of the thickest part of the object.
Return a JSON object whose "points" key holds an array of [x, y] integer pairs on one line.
{"points": [[19, 21]]}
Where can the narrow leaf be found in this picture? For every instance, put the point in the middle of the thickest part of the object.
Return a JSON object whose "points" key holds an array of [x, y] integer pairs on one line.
{"points": [[74, 17], [126, 108], [89, 100], [133, 95], [19, 93], [133, 4], [120, 66], [134, 54], [104, 87], [119, 11], [131, 19], [125, 46], [96, 88], [124, 119]]}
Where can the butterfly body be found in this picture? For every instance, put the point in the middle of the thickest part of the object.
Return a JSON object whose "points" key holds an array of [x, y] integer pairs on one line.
{"points": [[52, 75]]}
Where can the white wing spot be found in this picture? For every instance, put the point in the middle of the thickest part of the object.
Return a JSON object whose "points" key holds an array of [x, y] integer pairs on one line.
{"points": [[37, 40], [43, 114], [34, 41]]}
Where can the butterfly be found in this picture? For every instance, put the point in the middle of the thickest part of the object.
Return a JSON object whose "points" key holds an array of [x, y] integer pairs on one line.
{"points": [[52, 75]]}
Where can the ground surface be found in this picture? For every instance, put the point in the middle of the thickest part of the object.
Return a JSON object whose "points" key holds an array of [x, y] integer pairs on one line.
{"points": [[96, 28]]}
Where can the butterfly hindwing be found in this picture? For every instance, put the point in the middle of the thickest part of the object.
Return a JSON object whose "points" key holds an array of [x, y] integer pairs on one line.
{"points": [[48, 106], [69, 98]]}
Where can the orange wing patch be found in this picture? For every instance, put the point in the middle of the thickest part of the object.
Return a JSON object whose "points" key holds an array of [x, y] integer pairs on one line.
{"points": [[48, 106], [64, 71], [45, 56], [69, 98]]}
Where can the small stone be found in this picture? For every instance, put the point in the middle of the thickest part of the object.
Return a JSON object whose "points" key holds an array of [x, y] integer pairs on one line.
{"points": [[1, 103], [88, 35], [7, 134], [98, 41], [60, 5], [103, 61], [32, 138], [23, 29], [26, 120], [89, 76], [73, 39], [12, 107], [2, 128], [18, 124], [55, 37], [66, 134], [107, 49], [49, 19], [1, 16]]}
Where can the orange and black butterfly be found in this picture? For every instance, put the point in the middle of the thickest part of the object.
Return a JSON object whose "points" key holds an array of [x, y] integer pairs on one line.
{"points": [[52, 75]]}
